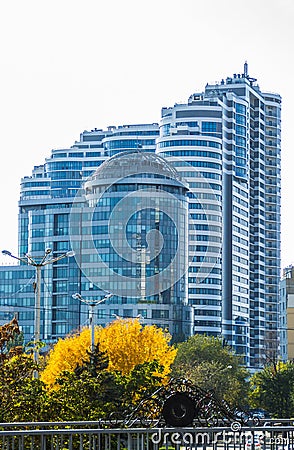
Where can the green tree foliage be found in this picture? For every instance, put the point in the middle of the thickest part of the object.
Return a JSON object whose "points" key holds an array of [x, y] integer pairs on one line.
{"points": [[272, 389], [23, 397], [210, 365], [93, 386], [92, 392], [88, 391]]}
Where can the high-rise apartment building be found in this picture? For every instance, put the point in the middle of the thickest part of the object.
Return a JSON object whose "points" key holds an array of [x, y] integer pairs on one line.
{"points": [[229, 135], [225, 144], [286, 315]]}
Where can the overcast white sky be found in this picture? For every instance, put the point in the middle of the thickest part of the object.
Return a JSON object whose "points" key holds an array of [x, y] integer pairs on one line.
{"points": [[69, 65]]}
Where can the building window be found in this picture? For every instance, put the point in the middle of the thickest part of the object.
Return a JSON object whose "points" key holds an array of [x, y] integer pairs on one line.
{"points": [[160, 314]]}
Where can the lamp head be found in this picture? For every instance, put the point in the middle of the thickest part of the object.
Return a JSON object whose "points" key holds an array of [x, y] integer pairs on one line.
{"points": [[77, 296], [6, 252], [48, 251], [70, 253]]}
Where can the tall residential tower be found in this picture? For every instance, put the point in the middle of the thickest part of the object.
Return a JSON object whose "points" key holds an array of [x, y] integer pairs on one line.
{"points": [[230, 136]]}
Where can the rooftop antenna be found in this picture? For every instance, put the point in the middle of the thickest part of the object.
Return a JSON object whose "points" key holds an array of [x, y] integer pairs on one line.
{"points": [[245, 70], [250, 79]]}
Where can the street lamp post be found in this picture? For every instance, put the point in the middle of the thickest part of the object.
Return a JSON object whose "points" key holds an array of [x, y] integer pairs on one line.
{"points": [[27, 259], [91, 304]]}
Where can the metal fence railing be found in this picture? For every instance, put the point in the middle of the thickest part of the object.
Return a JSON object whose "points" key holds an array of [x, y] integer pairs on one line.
{"points": [[268, 435]]}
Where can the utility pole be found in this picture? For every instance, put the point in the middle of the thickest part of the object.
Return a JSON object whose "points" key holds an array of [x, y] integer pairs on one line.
{"points": [[91, 304], [30, 261]]}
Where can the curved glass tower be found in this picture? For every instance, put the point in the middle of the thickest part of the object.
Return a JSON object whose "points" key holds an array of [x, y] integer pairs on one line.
{"points": [[131, 137], [190, 138], [134, 244]]}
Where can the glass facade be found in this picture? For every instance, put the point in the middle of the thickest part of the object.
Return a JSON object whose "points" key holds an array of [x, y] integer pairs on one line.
{"points": [[134, 242], [44, 222]]}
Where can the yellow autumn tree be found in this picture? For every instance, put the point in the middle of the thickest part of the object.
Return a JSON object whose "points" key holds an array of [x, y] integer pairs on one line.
{"points": [[66, 354], [125, 341]]}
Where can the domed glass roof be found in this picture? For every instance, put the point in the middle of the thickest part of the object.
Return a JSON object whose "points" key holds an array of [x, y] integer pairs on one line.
{"points": [[132, 163]]}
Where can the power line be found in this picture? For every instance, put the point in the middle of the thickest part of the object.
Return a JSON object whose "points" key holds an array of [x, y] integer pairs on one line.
{"points": [[21, 289]]}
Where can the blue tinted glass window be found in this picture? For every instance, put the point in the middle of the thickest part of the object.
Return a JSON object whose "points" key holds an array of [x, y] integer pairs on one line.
{"points": [[240, 108]]}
